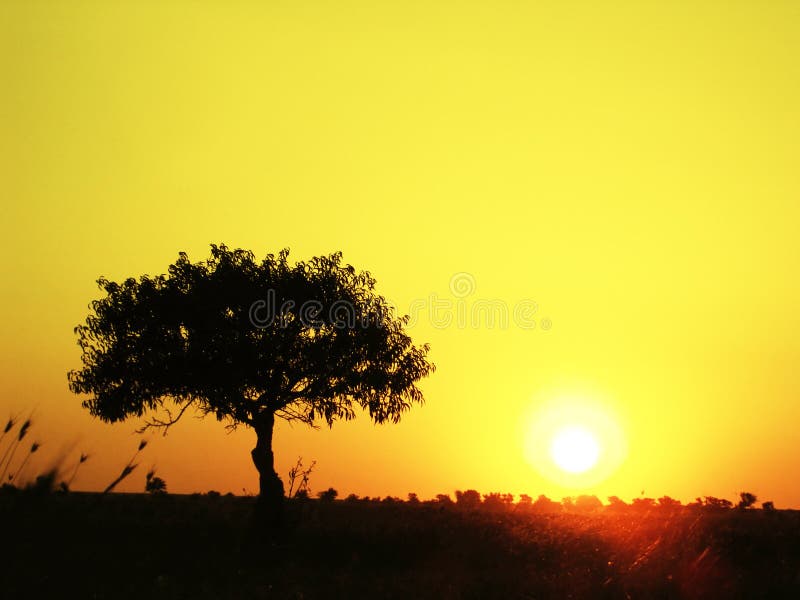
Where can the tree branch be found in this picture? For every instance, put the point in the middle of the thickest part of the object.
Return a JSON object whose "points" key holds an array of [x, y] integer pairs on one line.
{"points": [[290, 414], [164, 424]]}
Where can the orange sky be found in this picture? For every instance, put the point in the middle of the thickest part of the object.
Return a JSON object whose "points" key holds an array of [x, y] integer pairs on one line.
{"points": [[632, 169]]}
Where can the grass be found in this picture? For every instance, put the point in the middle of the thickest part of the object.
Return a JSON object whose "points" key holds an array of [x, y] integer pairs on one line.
{"points": [[173, 546]]}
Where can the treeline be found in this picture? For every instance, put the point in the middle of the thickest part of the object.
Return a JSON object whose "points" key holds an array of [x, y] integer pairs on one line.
{"points": [[474, 500]]}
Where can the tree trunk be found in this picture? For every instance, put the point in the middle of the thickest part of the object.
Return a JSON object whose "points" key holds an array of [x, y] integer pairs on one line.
{"points": [[269, 517]]}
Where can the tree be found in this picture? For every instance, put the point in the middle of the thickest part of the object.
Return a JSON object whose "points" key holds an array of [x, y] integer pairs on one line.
{"points": [[248, 342], [668, 503], [543, 504], [328, 495], [746, 500], [717, 503], [643, 503], [588, 503], [468, 498], [616, 504]]}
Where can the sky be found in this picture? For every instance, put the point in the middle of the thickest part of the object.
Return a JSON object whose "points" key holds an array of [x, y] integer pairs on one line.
{"points": [[624, 171]]}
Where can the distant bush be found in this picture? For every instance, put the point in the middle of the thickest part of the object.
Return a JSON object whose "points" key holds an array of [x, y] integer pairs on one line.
{"points": [[154, 485], [717, 503], [746, 500], [328, 495]]}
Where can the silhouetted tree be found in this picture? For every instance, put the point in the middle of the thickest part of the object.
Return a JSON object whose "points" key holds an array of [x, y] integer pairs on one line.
{"points": [[588, 503], [544, 504], [468, 498], [668, 503], [720, 503], [249, 342], [328, 495], [746, 500], [768, 506], [643, 503], [496, 500], [525, 501], [616, 504], [444, 499]]}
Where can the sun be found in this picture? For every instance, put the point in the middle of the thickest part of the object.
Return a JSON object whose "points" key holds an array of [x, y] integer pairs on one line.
{"points": [[575, 441], [574, 449]]}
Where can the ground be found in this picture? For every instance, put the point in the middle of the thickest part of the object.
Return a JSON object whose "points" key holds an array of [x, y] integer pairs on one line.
{"points": [[139, 546]]}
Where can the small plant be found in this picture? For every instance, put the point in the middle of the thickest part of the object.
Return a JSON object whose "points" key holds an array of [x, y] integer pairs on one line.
{"points": [[154, 485], [9, 426], [34, 447], [65, 485], [297, 472], [128, 469], [45, 483], [12, 448]]}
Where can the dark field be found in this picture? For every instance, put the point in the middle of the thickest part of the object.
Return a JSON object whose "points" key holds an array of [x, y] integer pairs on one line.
{"points": [[137, 546]]}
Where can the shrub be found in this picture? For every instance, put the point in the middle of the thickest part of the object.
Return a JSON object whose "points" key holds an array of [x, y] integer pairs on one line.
{"points": [[328, 495], [154, 485], [746, 500]]}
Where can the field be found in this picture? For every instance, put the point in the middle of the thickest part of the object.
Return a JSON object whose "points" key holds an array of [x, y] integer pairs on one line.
{"points": [[171, 546]]}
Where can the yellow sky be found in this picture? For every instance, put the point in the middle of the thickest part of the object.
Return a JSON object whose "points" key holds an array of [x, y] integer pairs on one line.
{"points": [[631, 167]]}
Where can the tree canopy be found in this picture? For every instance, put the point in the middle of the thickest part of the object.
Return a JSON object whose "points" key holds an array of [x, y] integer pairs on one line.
{"points": [[240, 338]]}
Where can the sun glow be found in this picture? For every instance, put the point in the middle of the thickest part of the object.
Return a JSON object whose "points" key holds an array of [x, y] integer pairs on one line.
{"points": [[574, 449], [574, 442]]}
